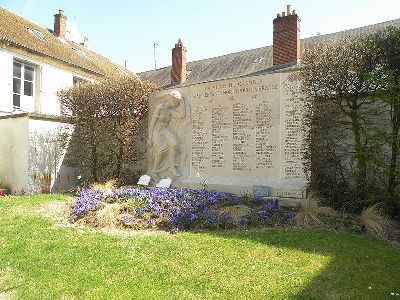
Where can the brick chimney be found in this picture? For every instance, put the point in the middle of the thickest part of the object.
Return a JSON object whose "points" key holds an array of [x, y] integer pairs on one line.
{"points": [[178, 69], [286, 45], [60, 24]]}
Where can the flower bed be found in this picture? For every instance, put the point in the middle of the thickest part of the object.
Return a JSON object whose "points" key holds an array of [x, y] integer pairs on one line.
{"points": [[176, 209]]}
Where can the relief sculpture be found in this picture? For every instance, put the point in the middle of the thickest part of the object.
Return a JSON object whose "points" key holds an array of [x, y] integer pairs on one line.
{"points": [[166, 152]]}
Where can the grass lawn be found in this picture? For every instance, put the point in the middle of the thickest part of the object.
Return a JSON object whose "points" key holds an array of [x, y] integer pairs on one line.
{"points": [[40, 260]]}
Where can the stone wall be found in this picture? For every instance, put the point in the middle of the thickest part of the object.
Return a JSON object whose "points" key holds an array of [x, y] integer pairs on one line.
{"points": [[236, 134]]}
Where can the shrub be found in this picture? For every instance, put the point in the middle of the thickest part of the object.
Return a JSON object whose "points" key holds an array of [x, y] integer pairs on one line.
{"points": [[351, 88], [108, 116]]}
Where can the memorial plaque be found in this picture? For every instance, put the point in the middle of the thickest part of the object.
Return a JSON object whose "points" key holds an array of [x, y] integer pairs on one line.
{"points": [[235, 129], [242, 135], [261, 191]]}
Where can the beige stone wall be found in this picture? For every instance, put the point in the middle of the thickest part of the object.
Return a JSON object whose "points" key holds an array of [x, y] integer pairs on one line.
{"points": [[242, 132]]}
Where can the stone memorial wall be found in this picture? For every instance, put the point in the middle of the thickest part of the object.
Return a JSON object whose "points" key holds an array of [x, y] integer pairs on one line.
{"points": [[239, 134]]}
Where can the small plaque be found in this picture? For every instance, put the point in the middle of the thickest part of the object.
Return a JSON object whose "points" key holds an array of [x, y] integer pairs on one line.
{"points": [[144, 180], [164, 183], [261, 191], [289, 193]]}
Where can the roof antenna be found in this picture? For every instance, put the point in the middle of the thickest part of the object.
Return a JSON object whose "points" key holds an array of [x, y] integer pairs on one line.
{"points": [[154, 53]]}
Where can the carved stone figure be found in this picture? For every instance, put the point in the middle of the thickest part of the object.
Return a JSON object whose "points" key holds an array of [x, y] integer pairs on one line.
{"points": [[164, 145]]}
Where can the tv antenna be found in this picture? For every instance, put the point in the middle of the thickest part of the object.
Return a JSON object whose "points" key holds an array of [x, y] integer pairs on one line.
{"points": [[154, 53]]}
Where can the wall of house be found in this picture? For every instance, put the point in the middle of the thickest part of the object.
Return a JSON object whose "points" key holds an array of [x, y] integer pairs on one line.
{"points": [[53, 80], [6, 88], [47, 147], [14, 152], [30, 154], [49, 80]]}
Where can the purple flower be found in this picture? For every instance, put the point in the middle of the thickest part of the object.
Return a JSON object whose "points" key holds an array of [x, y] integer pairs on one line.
{"points": [[87, 200], [182, 208]]}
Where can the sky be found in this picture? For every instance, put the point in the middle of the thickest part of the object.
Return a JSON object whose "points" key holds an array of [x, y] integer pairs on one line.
{"points": [[125, 31]]}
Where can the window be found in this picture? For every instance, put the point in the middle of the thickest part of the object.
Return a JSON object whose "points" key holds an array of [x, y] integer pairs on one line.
{"points": [[37, 34], [81, 53], [23, 84]]}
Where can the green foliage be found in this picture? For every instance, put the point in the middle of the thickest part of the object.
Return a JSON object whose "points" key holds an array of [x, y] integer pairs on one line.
{"points": [[387, 80], [108, 116], [353, 112]]}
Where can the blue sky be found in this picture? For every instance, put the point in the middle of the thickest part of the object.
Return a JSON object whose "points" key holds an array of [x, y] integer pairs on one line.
{"points": [[127, 30]]}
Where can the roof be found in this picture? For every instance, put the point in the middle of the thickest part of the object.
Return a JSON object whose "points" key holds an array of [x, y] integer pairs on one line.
{"points": [[247, 62], [15, 31]]}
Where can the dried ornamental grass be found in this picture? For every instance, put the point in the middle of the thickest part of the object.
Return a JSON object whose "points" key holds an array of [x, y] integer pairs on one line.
{"points": [[108, 216], [310, 215], [105, 187], [375, 222]]}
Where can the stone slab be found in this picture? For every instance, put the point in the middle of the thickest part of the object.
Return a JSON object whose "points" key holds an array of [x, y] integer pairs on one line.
{"points": [[235, 133], [164, 183], [144, 180]]}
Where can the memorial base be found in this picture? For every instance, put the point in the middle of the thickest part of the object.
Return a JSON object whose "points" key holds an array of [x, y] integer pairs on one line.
{"points": [[288, 195]]}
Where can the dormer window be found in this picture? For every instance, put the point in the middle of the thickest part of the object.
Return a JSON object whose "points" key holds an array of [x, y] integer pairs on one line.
{"points": [[81, 53], [37, 34]]}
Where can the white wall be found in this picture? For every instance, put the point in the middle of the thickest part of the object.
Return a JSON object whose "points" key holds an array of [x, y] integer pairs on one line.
{"points": [[49, 80], [6, 73], [30, 150], [14, 152], [52, 80]]}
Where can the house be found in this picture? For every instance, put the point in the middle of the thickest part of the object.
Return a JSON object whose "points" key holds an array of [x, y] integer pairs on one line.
{"points": [[35, 63], [242, 130]]}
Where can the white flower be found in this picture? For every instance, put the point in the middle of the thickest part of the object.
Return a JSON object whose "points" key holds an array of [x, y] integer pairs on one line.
{"points": [[79, 176], [198, 175]]}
